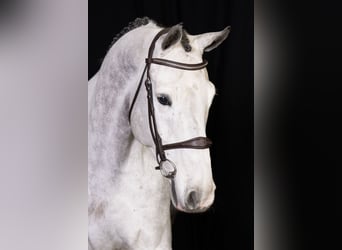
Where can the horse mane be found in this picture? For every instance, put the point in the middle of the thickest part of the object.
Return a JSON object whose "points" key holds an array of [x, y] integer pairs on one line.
{"points": [[141, 21], [138, 22]]}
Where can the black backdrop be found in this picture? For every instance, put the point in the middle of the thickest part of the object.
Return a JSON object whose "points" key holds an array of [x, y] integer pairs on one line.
{"points": [[229, 223]]}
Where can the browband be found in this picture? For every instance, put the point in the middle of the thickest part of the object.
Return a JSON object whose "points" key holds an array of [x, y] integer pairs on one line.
{"points": [[167, 167], [177, 65]]}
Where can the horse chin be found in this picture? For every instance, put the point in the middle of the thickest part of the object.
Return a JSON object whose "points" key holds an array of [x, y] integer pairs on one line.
{"points": [[190, 211]]}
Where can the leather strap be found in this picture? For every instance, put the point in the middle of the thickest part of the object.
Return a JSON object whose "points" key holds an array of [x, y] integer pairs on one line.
{"points": [[194, 143], [177, 65]]}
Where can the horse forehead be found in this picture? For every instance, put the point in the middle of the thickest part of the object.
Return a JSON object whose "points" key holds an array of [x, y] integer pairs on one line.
{"points": [[172, 77], [177, 52], [185, 86]]}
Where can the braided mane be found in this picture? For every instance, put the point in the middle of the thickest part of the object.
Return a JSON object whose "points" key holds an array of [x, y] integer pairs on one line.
{"points": [[140, 21]]}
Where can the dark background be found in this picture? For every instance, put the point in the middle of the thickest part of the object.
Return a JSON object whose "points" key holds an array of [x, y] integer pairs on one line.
{"points": [[229, 223], [301, 123]]}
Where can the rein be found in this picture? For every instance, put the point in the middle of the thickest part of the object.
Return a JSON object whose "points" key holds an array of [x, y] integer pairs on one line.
{"points": [[166, 167]]}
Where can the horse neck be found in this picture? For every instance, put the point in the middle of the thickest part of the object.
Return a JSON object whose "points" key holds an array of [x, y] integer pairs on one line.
{"points": [[110, 135]]}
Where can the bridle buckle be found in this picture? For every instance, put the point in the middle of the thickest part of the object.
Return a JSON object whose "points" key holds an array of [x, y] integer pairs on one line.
{"points": [[167, 169]]}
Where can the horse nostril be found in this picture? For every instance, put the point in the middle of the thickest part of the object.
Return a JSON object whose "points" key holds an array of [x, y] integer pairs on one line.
{"points": [[192, 200]]}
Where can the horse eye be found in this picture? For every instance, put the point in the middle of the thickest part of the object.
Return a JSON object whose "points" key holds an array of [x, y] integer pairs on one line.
{"points": [[164, 100]]}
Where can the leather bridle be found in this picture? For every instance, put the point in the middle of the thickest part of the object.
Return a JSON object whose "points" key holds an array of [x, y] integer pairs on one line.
{"points": [[167, 167]]}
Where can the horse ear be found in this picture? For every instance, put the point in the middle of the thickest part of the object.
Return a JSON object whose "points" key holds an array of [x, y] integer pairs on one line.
{"points": [[209, 41], [172, 37]]}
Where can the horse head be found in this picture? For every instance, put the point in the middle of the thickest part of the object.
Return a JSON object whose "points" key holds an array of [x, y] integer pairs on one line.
{"points": [[181, 101]]}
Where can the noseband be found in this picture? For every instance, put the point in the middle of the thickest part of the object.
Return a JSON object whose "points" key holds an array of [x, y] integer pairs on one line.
{"points": [[167, 167]]}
